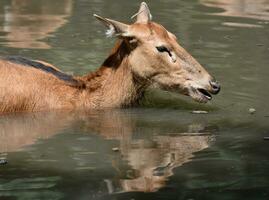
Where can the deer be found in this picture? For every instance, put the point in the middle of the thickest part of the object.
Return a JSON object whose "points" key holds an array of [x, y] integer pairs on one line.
{"points": [[145, 54]]}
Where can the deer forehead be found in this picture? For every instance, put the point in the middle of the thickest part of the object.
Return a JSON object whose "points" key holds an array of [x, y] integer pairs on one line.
{"points": [[152, 31]]}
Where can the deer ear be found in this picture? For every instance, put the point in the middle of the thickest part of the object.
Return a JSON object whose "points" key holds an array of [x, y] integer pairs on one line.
{"points": [[143, 15], [115, 28]]}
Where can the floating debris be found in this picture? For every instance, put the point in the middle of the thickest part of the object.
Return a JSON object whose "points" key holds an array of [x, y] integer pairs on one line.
{"points": [[243, 25], [199, 112], [3, 161], [251, 110], [115, 149], [260, 45]]}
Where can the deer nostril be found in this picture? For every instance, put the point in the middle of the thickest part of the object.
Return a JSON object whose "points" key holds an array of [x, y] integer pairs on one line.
{"points": [[215, 87]]}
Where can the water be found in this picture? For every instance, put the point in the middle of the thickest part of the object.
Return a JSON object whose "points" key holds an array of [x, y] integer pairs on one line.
{"points": [[156, 151]]}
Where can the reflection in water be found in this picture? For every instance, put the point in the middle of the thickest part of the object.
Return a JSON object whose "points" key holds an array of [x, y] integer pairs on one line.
{"points": [[151, 157], [69, 156], [17, 131], [26, 22], [257, 9], [153, 163]]}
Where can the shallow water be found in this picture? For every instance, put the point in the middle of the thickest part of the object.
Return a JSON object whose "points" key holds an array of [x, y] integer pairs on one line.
{"points": [[156, 151]]}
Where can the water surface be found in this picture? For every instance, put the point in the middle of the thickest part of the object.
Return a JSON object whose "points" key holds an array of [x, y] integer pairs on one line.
{"points": [[158, 150]]}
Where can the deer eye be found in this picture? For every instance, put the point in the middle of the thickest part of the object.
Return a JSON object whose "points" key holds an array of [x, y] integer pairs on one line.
{"points": [[162, 49]]}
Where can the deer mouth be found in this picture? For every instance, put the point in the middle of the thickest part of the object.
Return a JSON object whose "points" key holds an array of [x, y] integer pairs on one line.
{"points": [[200, 95], [205, 93]]}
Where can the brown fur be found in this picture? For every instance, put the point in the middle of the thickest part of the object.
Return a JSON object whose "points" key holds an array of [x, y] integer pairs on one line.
{"points": [[134, 64], [29, 89]]}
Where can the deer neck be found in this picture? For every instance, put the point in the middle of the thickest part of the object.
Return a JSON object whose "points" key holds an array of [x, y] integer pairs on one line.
{"points": [[114, 84]]}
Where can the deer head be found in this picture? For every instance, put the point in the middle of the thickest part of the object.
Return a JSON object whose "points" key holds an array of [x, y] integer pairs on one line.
{"points": [[155, 56]]}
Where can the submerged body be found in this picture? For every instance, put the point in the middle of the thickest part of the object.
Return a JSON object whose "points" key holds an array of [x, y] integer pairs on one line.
{"points": [[28, 85], [145, 54], [25, 87]]}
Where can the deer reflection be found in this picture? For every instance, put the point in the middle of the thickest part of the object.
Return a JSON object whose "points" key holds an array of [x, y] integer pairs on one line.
{"points": [[26, 22], [151, 157], [153, 160], [17, 131], [257, 9]]}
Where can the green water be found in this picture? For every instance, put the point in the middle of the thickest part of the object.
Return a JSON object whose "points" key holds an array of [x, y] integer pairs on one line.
{"points": [[158, 150]]}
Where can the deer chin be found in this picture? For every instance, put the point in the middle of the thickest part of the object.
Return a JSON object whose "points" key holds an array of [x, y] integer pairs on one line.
{"points": [[199, 94]]}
